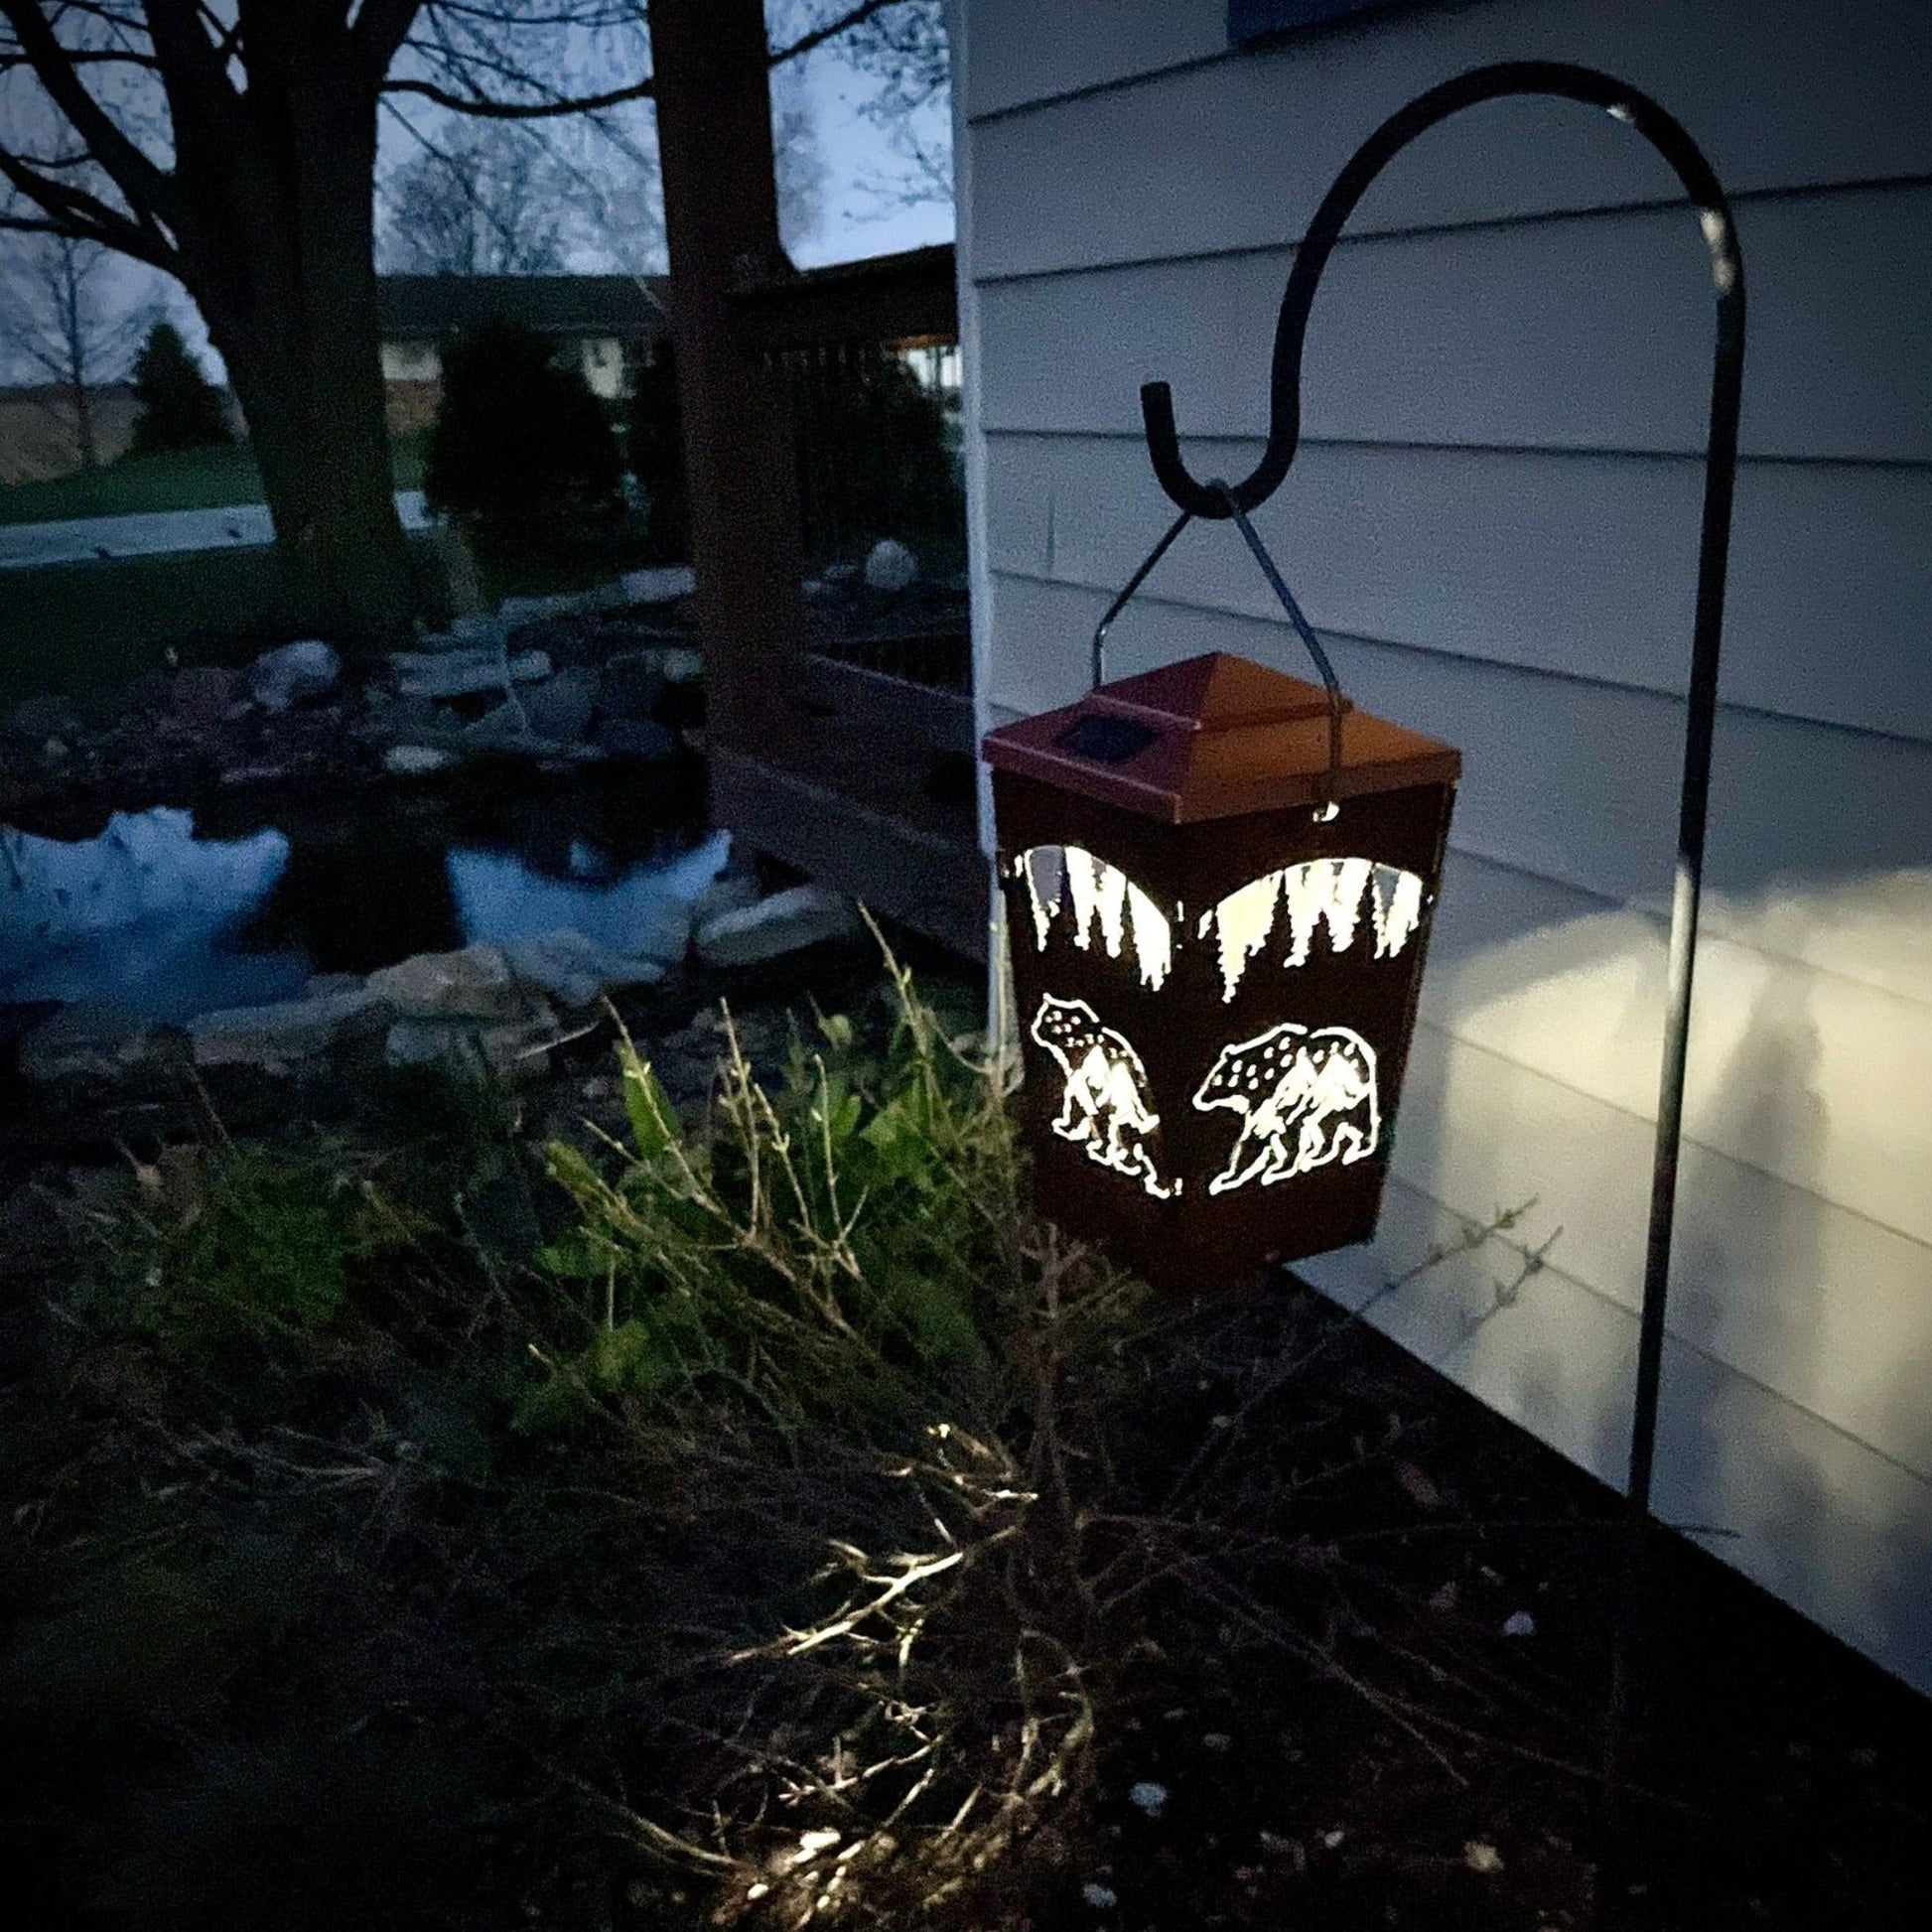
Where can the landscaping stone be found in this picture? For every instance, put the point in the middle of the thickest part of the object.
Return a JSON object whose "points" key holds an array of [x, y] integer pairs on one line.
{"points": [[560, 707], [474, 984], [91, 1038], [786, 922], [280, 678], [513, 1049], [416, 760], [732, 891], [891, 567], [268, 1036], [460, 673], [659, 586], [635, 738], [574, 970]]}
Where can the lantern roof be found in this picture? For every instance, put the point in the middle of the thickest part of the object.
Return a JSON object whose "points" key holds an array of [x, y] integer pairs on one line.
{"points": [[1216, 736]]}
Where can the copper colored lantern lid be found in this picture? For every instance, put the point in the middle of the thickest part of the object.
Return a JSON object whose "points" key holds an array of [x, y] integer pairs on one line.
{"points": [[1216, 736]]}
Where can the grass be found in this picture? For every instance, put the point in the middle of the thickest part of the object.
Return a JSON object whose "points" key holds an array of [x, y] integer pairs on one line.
{"points": [[87, 631], [184, 480]]}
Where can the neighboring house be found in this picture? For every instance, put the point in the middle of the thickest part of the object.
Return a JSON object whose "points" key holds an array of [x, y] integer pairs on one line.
{"points": [[37, 429], [607, 323], [1493, 519]]}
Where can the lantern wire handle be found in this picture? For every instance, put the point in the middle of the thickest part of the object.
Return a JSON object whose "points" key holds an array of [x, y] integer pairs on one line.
{"points": [[1304, 629], [1134, 583]]}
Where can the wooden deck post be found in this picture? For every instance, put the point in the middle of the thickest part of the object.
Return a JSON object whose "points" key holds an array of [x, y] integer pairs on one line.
{"points": [[721, 220]]}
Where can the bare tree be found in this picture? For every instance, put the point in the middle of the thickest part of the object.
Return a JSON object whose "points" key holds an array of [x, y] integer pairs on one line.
{"points": [[905, 48], [59, 321], [490, 200], [232, 144]]}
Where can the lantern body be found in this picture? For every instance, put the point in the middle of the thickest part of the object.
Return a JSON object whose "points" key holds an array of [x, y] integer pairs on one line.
{"points": [[1217, 943]]}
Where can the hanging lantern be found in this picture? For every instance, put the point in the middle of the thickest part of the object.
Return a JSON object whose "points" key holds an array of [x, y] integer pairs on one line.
{"points": [[1220, 881]]}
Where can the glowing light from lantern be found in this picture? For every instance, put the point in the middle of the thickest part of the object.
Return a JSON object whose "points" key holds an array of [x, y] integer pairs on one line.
{"points": [[1103, 896], [1318, 893]]}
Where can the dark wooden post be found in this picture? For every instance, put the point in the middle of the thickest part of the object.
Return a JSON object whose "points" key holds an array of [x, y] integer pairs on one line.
{"points": [[721, 220]]}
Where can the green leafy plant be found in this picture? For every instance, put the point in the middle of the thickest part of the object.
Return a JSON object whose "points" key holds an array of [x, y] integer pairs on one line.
{"points": [[251, 1264], [825, 1249]]}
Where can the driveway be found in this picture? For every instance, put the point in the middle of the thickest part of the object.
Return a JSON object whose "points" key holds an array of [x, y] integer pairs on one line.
{"points": [[154, 533]]}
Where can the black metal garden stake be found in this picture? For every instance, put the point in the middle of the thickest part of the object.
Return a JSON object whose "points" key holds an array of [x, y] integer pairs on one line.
{"points": [[1215, 500]]}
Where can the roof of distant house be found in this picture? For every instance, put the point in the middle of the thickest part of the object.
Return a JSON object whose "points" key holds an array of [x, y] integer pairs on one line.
{"points": [[632, 307]]}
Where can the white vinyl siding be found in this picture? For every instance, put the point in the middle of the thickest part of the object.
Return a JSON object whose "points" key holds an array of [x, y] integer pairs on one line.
{"points": [[1493, 522]]}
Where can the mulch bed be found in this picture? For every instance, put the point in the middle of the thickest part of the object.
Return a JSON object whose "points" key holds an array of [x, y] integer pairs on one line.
{"points": [[1341, 1728]]}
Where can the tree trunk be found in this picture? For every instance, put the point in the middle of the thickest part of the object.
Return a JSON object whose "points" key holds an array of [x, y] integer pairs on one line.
{"points": [[280, 257], [721, 220]]}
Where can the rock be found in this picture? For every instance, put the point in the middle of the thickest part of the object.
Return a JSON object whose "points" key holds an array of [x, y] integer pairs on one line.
{"points": [[516, 612], [203, 696], [560, 707], [474, 984], [784, 923], [631, 684], [732, 891], [279, 678], [659, 586], [889, 567], [409, 720], [91, 1038], [635, 738], [681, 665], [468, 1050], [459, 673], [1149, 1796], [574, 970], [415, 760], [476, 629], [272, 1036]]}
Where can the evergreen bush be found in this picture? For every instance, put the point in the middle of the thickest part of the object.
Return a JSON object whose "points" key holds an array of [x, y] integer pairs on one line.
{"points": [[655, 445], [522, 453], [874, 456], [180, 408]]}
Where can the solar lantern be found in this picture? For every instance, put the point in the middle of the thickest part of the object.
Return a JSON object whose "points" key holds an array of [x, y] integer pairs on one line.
{"points": [[1220, 881]]}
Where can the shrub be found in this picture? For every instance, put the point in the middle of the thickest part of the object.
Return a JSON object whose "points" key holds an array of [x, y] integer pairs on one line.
{"points": [[521, 452], [874, 456], [654, 441], [180, 408]]}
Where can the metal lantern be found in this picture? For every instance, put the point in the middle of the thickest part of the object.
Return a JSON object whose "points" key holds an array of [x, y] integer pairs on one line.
{"points": [[1220, 881]]}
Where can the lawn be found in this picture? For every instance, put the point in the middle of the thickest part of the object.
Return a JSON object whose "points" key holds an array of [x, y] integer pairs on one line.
{"points": [[180, 480]]}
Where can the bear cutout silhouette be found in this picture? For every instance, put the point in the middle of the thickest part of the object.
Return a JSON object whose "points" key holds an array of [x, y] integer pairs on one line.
{"points": [[1105, 1107], [1306, 1098]]}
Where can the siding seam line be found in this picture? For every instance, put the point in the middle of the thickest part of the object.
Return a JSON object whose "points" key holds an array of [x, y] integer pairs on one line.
{"points": [[1093, 89], [1690, 1140], [1481, 225], [1659, 914], [1922, 1478], [1613, 451], [1660, 692]]}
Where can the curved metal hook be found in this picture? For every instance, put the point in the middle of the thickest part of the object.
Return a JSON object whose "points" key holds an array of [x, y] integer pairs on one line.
{"points": [[1559, 78]]}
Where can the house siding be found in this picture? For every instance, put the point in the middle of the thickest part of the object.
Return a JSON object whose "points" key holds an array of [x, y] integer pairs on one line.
{"points": [[1493, 522]]}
